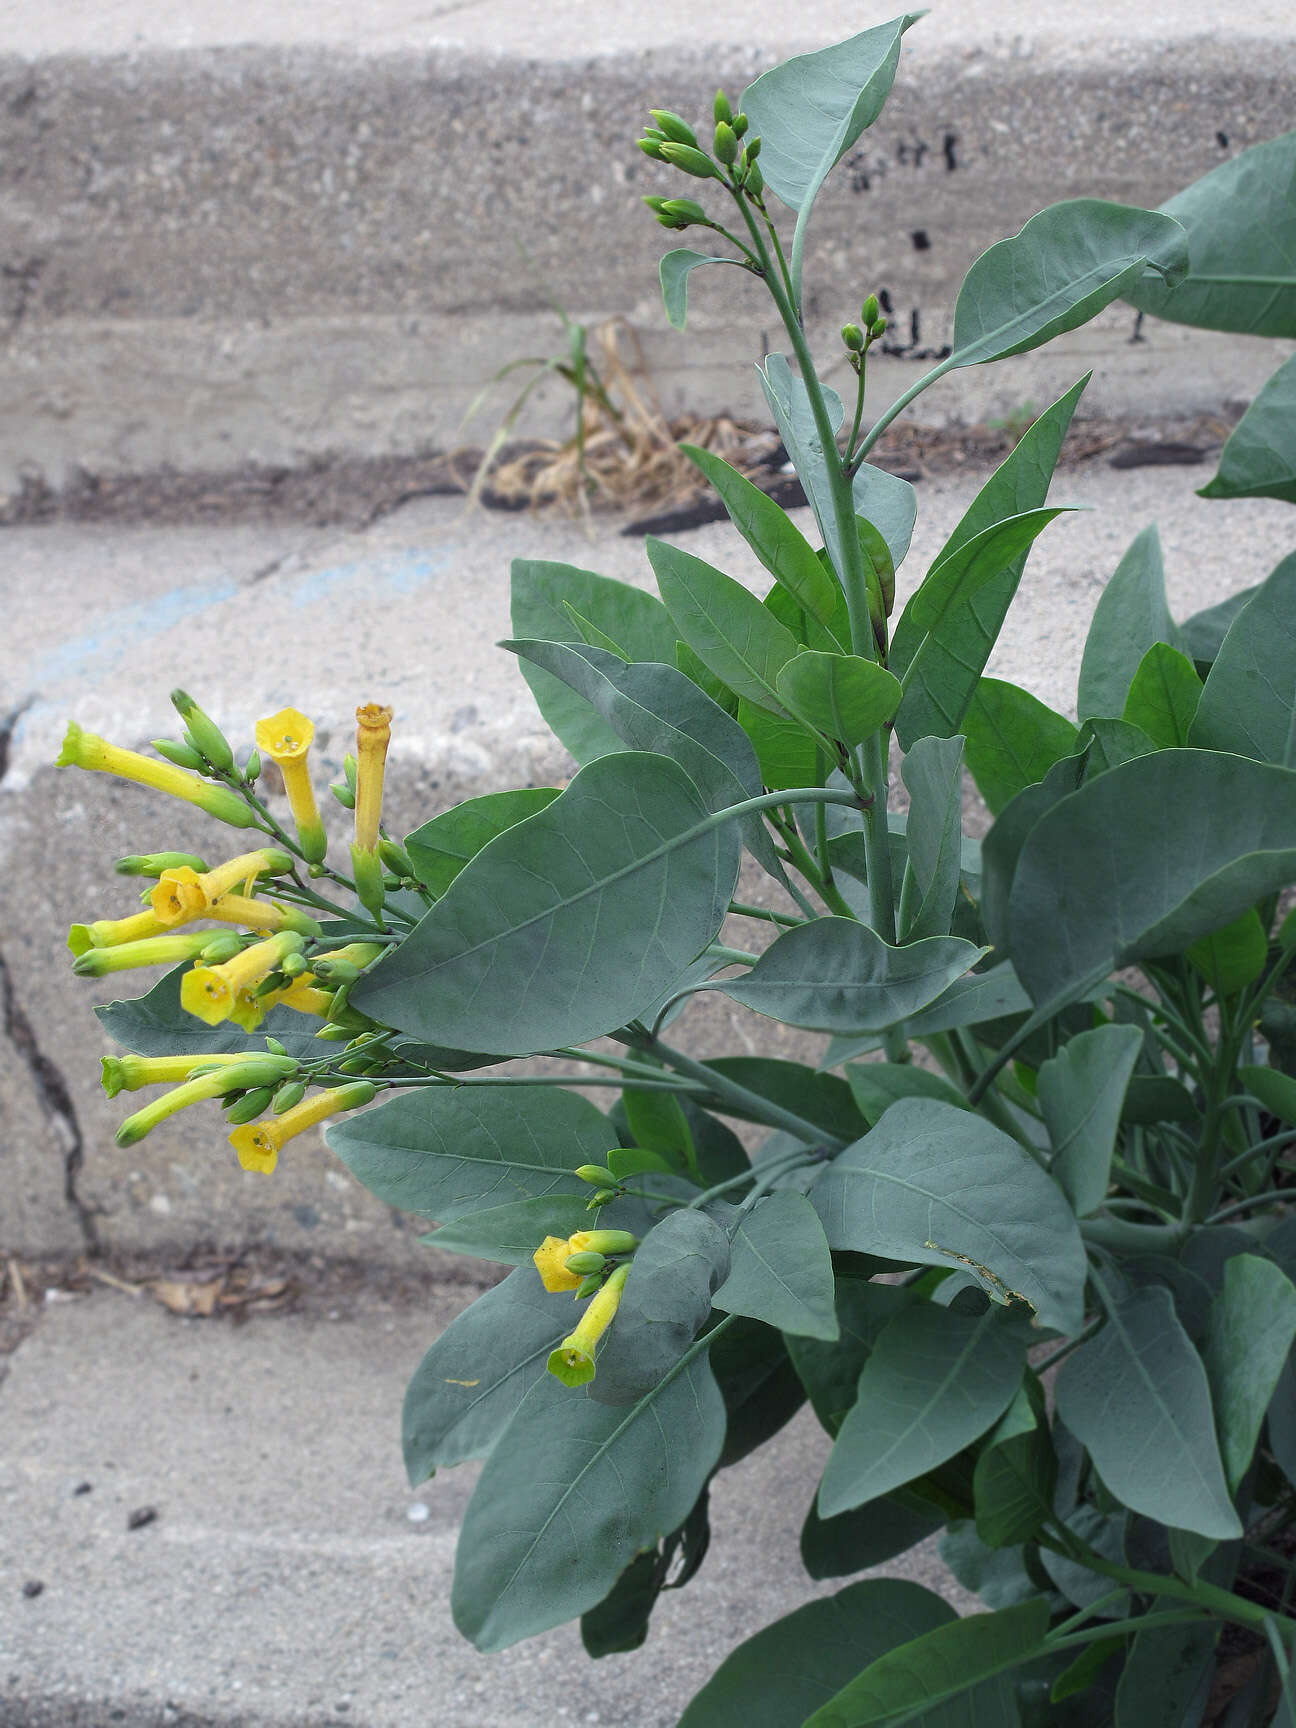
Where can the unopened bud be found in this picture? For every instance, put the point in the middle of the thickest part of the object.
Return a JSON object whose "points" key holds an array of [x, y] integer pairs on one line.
{"points": [[250, 1105], [154, 863], [853, 337], [591, 1282], [869, 312], [350, 770], [651, 147], [690, 160], [688, 208], [293, 965], [252, 767], [754, 182], [585, 1263], [726, 144], [602, 1198], [395, 857], [183, 755], [739, 124], [596, 1175], [292, 1092], [675, 130], [337, 972], [877, 329], [722, 110], [344, 795], [334, 1034], [274, 1046], [752, 149], [220, 949], [203, 732]]}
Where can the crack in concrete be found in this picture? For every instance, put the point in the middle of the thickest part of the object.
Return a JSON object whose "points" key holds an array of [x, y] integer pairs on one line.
{"points": [[55, 1100]]}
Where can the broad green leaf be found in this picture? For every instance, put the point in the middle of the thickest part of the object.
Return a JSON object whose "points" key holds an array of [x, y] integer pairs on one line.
{"points": [[1163, 696], [657, 1122], [1238, 221], [1131, 615], [942, 1187], [846, 697], [571, 923], [441, 847], [726, 627], [787, 753], [1250, 1334], [876, 1086], [156, 1025], [997, 1575], [572, 1491], [1249, 703], [445, 1153], [789, 1668], [664, 1305], [1015, 1476], [1143, 865], [934, 1382], [836, 975], [1167, 1675], [821, 1098], [1202, 635], [1081, 1091], [659, 709], [809, 110], [938, 1666], [772, 535], [1106, 1534], [830, 1372], [592, 634], [925, 635], [510, 1234], [675, 270], [1282, 1421], [1157, 1098], [1137, 1397], [1259, 459], [863, 1537], [1013, 739], [970, 1001], [620, 1621], [933, 774], [1233, 956], [958, 652], [1066, 264], [1081, 1674], [782, 1270], [1275, 1090], [466, 1388], [759, 1385], [888, 502], [636, 620], [830, 638], [689, 664]]}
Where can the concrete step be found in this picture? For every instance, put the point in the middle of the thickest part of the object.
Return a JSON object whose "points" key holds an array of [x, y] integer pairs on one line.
{"points": [[236, 234]]}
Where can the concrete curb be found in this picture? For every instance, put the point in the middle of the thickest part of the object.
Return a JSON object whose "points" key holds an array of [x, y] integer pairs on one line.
{"points": [[267, 247]]}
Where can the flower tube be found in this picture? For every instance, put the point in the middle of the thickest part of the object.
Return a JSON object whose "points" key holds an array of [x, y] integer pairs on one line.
{"points": [[285, 738], [212, 993], [185, 893], [128, 1073], [166, 950], [88, 750], [109, 932], [553, 1253], [251, 1071], [258, 1143], [573, 1361]]}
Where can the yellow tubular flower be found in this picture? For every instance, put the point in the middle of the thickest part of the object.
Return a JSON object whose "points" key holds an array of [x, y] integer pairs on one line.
{"points": [[261, 915], [151, 951], [552, 1254], [303, 995], [573, 1361], [88, 750], [129, 1073], [249, 1071], [108, 932], [285, 738], [185, 893], [258, 1143], [373, 734], [213, 993]]}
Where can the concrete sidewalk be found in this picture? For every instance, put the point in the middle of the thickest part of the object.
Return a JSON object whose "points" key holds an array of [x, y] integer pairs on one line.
{"points": [[290, 1578], [237, 233], [249, 619]]}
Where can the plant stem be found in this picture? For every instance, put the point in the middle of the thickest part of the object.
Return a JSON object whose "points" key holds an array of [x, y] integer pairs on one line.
{"points": [[740, 909], [747, 1103], [1253, 1200], [898, 407]]}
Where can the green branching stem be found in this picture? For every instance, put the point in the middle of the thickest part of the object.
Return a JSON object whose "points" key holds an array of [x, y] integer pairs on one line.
{"points": [[897, 408], [744, 1102], [739, 909]]}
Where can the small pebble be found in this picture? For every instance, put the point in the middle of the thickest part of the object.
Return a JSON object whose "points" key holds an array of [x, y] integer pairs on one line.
{"points": [[33, 1587], [83, 1488], [141, 1516], [418, 1513]]}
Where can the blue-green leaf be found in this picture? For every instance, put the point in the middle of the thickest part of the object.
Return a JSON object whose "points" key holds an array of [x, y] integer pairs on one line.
{"points": [[933, 774], [1081, 1091], [846, 697], [1013, 739], [1250, 1335], [1259, 459], [1131, 615], [675, 270], [440, 848], [782, 1270], [1248, 705], [1163, 696]]}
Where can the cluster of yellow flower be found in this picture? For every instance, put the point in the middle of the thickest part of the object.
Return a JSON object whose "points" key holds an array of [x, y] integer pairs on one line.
{"points": [[270, 951], [580, 1262]]}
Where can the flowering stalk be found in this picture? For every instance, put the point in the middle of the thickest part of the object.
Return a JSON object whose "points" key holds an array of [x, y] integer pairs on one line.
{"points": [[258, 1143], [184, 893], [373, 735], [266, 915], [109, 932], [211, 993], [88, 750], [251, 1071], [285, 738], [167, 950], [553, 1253], [128, 1073], [573, 1361]]}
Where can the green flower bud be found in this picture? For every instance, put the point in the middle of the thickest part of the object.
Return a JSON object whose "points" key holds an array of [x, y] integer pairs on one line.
{"points": [[220, 949], [656, 205], [602, 1198], [722, 110], [754, 183], [877, 329], [584, 1264], [676, 131], [349, 770], [274, 1046], [869, 312], [344, 795], [676, 223], [252, 767], [276, 980], [752, 149], [726, 144], [651, 147], [690, 160], [292, 1092], [591, 1282], [688, 208], [183, 755], [293, 965], [395, 857], [203, 732], [337, 972], [853, 337], [250, 1105], [739, 124], [596, 1175], [334, 1034], [154, 863]]}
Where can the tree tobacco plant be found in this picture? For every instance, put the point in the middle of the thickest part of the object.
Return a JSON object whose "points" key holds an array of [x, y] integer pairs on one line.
{"points": [[1038, 1285]]}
